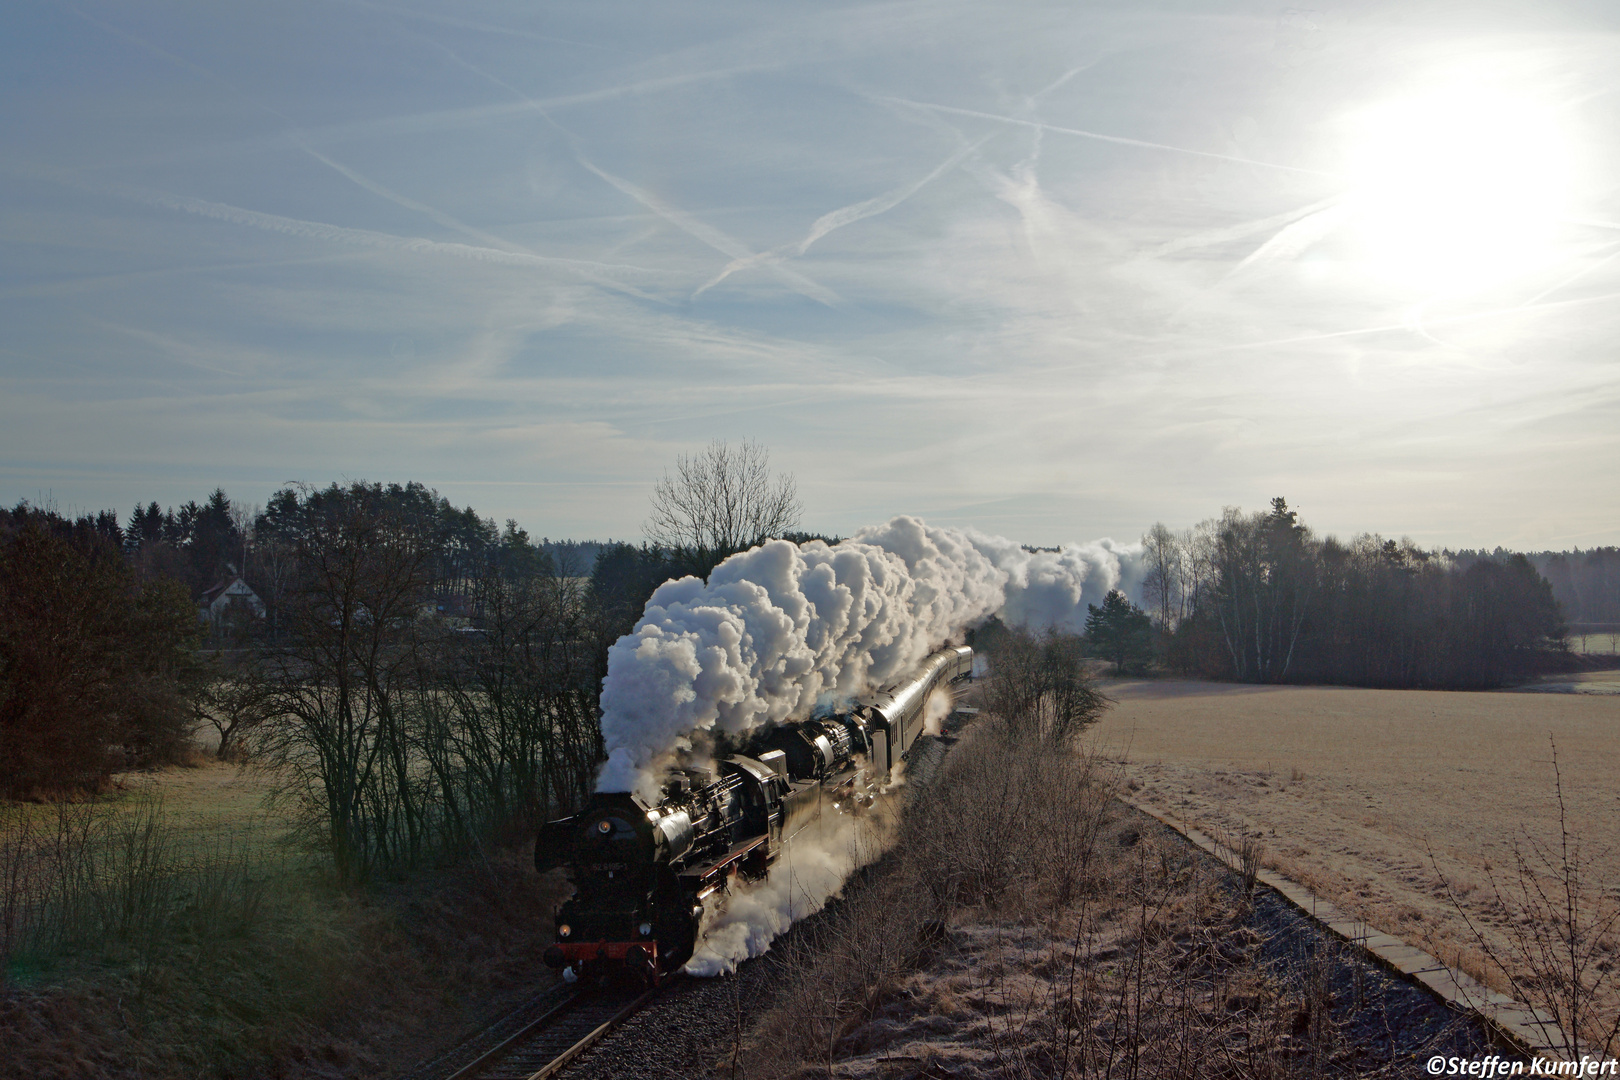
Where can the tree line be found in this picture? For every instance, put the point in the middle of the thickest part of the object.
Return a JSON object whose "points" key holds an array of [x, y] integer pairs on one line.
{"points": [[1259, 597], [97, 666], [407, 734], [1585, 583], [423, 681], [427, 681]]}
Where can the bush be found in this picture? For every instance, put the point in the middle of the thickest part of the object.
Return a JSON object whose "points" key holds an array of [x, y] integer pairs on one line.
{"points": [[94, 669], [1040, 686], [1120, 632], [1011, 823]]}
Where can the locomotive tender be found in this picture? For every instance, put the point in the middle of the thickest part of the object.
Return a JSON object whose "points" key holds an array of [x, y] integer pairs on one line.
{"points": [[643, 874]]}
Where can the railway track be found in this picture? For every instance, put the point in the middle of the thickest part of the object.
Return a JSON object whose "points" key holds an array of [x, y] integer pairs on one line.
{"points": [[544, 1046]]}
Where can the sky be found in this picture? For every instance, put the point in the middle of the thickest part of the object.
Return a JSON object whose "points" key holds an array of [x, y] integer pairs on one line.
{"points": [[1055, 271]]}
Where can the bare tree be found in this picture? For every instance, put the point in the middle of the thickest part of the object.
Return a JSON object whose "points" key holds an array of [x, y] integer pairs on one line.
{"points": [[720, 501], [343, 689], [1040, 687], [1162, 588], [1198, 564], [236, 697], [243, 517]]}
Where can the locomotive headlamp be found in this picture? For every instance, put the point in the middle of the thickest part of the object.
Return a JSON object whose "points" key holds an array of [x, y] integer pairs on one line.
{"points": [[564, 930], [646, 929]]}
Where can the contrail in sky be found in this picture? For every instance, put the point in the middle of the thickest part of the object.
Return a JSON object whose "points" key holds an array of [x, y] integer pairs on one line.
{"points": [[1292, 239], [397, 199], [468, 24], [878, 204], [606, 274], [1572, 279], [1449, 320], [1214, 237], [708, 234], [688, 223], [1119, 139], [302, 141], [845, 215]]}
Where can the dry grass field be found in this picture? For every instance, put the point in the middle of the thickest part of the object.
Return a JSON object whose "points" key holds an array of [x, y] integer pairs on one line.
{"points": [[205, 799], [163, 930], [1352, 791], [1606, 644]]}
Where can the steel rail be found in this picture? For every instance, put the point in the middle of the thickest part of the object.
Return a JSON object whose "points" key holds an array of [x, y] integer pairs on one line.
{"points": [[537, 1027], [500, 1049], [561, 1061]]}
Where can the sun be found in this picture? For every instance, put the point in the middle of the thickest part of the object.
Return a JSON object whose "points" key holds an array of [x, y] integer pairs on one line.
{"points": [[1459, 187]]}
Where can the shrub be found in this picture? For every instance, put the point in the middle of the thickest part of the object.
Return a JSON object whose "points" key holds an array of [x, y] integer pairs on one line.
{"points": [[1040, 686], [94, 669]]}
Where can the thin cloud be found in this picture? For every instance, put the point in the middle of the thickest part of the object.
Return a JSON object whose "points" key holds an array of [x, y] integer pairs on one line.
{"points": [[612, 275], [844, 215], [1100, 137], [708, 234]]}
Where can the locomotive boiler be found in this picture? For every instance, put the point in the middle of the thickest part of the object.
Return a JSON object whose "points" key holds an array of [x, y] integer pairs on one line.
{"points": [[643, 874]]}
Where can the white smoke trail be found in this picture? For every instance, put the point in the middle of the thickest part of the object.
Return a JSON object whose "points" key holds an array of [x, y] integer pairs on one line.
{"points": [[780, 627], [810, 871], [936, 709]]}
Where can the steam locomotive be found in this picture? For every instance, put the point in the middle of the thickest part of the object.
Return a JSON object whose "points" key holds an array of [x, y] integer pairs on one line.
{"points": [[643, 874]]}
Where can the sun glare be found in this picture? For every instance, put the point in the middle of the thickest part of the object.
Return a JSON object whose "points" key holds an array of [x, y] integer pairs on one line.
{"points": [[1458, 188]]}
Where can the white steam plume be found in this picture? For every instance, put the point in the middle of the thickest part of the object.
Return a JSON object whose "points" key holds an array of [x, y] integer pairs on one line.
{"points": [[780, 627], [938, 706], [807, 874]]}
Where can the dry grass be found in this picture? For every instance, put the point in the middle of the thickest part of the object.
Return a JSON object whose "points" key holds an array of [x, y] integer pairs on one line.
{"points": [[165, 932], [986, 832], [1023, 929], [1410, 809], [1604, 644]]}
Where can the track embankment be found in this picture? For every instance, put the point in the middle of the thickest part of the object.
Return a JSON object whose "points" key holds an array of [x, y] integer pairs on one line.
{"points": [[1524, 1028]]}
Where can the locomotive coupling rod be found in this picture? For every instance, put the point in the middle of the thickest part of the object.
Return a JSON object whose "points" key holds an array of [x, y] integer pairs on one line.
{"points": [[561, 1060]]}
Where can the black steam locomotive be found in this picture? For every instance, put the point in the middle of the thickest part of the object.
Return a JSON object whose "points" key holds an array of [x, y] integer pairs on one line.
{"points": [[643, 874]]}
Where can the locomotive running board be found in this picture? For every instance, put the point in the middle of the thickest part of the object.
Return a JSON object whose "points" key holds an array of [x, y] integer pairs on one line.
{"points": [[726, 861]]}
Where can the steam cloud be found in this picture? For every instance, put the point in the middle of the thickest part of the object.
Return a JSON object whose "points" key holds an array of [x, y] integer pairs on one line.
{"points": [[936, 709], [808, 873], [777, 629], [780, 627]]}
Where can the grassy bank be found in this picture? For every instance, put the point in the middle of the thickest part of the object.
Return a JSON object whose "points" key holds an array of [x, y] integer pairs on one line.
{"points": [[170, 930], [1029, 926]]}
